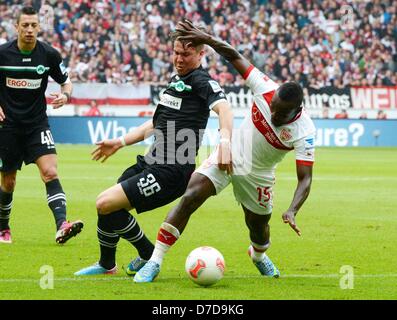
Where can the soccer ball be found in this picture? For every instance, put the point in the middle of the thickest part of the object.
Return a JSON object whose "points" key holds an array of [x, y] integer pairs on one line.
{"points": [[205, 266]]}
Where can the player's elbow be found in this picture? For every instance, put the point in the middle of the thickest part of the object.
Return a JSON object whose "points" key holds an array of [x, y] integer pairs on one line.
{"points": [[223, 109]]}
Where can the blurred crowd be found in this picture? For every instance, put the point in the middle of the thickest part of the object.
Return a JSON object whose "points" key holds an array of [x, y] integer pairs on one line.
{"points": [[317, 43]]}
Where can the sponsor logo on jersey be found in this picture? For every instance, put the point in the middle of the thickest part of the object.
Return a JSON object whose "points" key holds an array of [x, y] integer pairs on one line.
{"points": [[26, 59], [309, 143], [285, 135], [40, 69], [266, 129], [256, 114], [215, 86], [62, 67], [171, 101], [180, 86], [23, 83]]}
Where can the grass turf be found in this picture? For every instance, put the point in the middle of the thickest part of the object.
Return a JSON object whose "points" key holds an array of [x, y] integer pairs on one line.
{"points": [[349, 219]]}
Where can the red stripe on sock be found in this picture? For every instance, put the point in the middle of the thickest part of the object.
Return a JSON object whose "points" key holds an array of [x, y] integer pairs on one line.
{"points": [[258, 250], [166, 237]]}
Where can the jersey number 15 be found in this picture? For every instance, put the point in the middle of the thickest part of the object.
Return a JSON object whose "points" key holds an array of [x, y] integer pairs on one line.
{"points": [[263, 196]]}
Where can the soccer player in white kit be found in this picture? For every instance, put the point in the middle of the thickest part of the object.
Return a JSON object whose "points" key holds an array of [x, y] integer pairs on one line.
{"points": [[275, 125]]}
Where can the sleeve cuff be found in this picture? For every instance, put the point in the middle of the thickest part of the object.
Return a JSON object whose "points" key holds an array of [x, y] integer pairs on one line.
{"points": [[304, 163], [248, 71]]}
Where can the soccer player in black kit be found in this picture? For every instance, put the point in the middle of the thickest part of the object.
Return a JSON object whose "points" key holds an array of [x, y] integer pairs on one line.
{"points": [[161, 176], [25, 135]]}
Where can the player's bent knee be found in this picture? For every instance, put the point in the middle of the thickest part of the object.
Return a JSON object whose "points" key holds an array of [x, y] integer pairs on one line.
{"points": [[103, 204], [257, 222], [9, 185], [8, 182], [49, 174]]}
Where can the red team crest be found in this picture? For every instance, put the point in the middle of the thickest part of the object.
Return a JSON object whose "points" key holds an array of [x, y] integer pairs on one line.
{"points": [[285, 135]]}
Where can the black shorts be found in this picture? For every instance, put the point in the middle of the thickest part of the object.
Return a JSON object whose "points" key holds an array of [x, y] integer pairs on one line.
{"points": [[152, 186], [24, 144]]}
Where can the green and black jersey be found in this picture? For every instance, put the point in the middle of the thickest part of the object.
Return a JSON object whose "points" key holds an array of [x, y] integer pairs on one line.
{"points": [[23, 81], [182, 113]]}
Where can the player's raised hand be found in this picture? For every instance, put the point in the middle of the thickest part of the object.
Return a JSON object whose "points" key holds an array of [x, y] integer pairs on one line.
{"points": [[105, 149], [2, 115], [289, 217], [191, 33], [59, 100], [225, 156]]}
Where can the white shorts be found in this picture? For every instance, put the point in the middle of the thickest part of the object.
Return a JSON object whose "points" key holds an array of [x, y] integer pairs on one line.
{"points": [[253, 191]]}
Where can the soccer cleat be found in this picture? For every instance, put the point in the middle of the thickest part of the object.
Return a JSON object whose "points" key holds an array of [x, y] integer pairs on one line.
{"points": [[95, 269], [68, 230], [266, 267], [5, 236], [148, 273], [135, 265]]}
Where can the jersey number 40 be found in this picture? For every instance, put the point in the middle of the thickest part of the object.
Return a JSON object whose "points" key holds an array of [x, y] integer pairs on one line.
{"points": [[46, 138]]}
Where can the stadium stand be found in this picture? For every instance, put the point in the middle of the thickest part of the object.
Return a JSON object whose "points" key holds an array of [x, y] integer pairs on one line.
{"points": [[336, 44]]}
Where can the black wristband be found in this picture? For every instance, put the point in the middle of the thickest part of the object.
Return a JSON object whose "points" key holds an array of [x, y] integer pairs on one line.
{"points": [[67, 96]]}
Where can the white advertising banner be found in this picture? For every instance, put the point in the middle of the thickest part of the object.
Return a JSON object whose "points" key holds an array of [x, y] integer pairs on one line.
{"points": [[106, 93]]}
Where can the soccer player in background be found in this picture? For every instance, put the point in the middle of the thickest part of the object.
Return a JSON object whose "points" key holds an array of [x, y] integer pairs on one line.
{"points": [[276, 124], [161, 176], [25, 135]]}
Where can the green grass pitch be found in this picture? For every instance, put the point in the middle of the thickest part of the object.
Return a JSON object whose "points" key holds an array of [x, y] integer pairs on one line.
{"points": [[349, 219]]}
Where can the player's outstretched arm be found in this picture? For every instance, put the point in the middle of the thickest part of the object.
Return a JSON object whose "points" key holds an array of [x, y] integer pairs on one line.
{"points": [[108, 147], [304, 175], [196, 36]]}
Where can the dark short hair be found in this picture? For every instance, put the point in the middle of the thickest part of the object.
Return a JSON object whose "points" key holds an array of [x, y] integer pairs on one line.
{"points": [[28, 11], [291, 92]]}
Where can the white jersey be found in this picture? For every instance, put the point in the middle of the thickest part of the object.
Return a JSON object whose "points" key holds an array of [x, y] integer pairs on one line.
{"points": [[258, 145]]}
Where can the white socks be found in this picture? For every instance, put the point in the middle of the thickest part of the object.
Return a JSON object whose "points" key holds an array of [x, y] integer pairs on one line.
{"points": [[257, 251]]}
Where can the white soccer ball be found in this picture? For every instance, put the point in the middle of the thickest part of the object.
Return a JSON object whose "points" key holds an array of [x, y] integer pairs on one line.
{"points": [[205, 266]]}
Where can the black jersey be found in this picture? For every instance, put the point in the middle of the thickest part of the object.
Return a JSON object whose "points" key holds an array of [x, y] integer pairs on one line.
{"points": [[182, 115], [23, 81]]}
